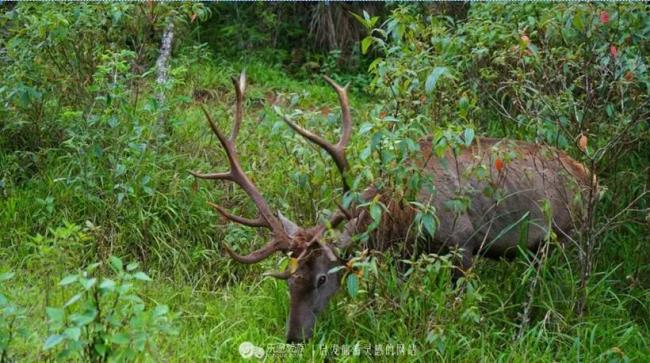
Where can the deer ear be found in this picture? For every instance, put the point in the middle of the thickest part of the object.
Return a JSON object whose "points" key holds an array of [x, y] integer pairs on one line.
{"points": [[290, 228]]}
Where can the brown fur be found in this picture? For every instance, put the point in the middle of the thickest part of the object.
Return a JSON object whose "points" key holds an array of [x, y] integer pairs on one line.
{"points": [[529, 183], [535, 174]]}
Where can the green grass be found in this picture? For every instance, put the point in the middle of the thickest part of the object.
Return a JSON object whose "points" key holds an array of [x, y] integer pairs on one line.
{"points": [[479, 325]]}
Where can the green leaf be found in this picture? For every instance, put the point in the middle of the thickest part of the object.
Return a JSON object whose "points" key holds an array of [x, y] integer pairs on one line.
{"points": [[578, 21], [124, 288], [429, 223], [141, 276], [73, 333], [55, 314], [132, 266], [463, 104], [365, 127], [52, 341], [84, 319], [6, 276], [375, 212], [73, 300], [133, 298], [160, 310], [120, 339], [468, 136], [353, 284], [87, 283], [433, 77], [107, 284], [365, 44], [116, 263], [92, 267], [120, 169], [365, 153], [68, 280], [100, 348], [336, 269]]}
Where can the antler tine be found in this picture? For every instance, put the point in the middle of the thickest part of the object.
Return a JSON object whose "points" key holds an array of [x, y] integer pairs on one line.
{"points": [[342, 209], [265, 218], [329, 252], [342, 214], [213, 176], [257, 255], [282, 275], [336, 151], [231, 153], [257, 222], [240, 88], [346, 118], [237, 175]]}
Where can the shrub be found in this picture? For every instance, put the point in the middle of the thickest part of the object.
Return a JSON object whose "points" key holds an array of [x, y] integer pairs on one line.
{"points": [[105, 319]]}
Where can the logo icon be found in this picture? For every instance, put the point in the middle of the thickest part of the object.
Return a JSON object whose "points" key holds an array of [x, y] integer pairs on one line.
{"points": [[249, 350]]}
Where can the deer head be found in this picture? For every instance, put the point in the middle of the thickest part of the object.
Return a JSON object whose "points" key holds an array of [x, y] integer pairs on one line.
{"points": [[311, 284]]}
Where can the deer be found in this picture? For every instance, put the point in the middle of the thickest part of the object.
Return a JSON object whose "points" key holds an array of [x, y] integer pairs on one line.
{"points": [[537, 176]]}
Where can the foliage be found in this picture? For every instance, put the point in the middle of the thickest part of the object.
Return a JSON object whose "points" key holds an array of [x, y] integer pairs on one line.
{"points": [[53, 56], [106, 319], [302, 36], [85, 175], [572, 75], [12, 320]]}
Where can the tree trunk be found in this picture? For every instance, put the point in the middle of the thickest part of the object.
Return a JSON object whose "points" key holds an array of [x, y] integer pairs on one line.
{"points": [[162, 67]]}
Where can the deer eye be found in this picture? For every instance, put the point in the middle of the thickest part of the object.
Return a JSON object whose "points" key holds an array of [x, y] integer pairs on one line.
{"points": [[321, 280]]}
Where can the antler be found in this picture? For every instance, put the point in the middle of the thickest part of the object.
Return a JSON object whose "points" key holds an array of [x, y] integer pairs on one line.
{"points": [[265, 217], [336, 151]]}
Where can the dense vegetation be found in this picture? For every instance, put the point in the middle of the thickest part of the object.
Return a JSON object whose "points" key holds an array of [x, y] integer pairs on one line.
{"points": [[96, 200]]}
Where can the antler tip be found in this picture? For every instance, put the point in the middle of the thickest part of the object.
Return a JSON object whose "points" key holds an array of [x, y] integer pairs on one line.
{"points": [[282, 275], [240, 82], [254, 256], [335, 85]]}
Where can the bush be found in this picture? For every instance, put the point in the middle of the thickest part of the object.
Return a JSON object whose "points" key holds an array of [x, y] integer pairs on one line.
{"points": [[570, 75], [105, 319]]}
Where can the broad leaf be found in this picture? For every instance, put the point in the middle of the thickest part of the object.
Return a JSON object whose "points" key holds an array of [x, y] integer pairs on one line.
{"points": [[353, 284], [141, 276], [433, 77], [68, 280], [52, 341]]}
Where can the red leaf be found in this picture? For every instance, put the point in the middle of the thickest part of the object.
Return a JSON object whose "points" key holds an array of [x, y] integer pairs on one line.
{"points": [[325, 111], [613, 51], [498, 163], [271, 98], [583, 142], [604, 17]]}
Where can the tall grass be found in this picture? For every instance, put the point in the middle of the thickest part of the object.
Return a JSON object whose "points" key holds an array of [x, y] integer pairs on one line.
{"points": [[114, 186]]}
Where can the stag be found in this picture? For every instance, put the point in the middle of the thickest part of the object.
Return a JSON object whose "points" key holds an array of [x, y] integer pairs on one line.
{"points": [[540, 184]]}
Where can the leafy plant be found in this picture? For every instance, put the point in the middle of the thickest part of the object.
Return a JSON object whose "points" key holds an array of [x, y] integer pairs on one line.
{"points": [[572, 76], [12, 320], [105, 319]]}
